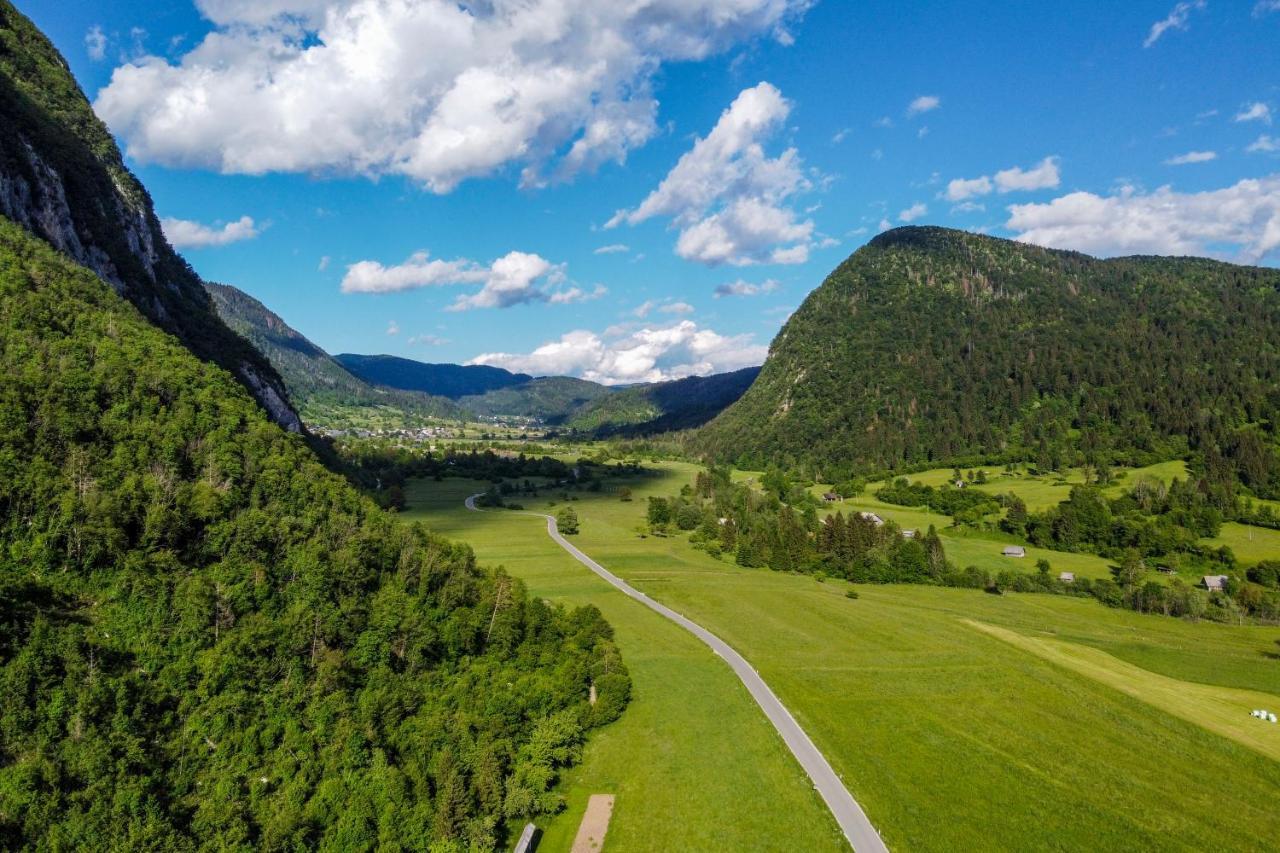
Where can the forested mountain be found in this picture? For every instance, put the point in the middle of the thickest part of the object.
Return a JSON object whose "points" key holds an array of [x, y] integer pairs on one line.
{"points": [[324, 391], [932, 346], [207, 639], [62, 177], [442, 380], [663, 406], [553, 399]]}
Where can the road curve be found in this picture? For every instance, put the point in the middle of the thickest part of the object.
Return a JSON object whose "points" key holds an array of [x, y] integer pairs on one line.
{"points": [[862, 836]]}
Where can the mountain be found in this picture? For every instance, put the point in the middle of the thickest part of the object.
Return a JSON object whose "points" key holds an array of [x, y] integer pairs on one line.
{"points": [[663, 406], [929, 346], [553, 399], [207, 638], [63, 179], [454, 381], [324, 391]]}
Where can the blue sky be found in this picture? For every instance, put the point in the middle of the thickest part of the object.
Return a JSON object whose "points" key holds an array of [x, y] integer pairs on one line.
{"points": [[438, 183]]}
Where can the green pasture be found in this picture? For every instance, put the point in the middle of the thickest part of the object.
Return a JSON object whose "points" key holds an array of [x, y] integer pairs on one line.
{"points": [[949, 737]]}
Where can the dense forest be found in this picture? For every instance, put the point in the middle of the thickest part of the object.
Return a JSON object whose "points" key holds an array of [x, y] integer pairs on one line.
{"points": [[662, 406], [207, 639], [324, 391], [930, 346]]}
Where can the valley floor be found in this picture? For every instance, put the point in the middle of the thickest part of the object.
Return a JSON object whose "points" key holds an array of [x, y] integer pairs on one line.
{"points": [[951, 735]]}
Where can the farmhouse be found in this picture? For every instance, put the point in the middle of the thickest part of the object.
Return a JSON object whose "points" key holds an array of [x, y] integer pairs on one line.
{"points": [[1067, 577], [1015, 551], [1218, 582], [831, 497], [871, 517], [908, 534]]}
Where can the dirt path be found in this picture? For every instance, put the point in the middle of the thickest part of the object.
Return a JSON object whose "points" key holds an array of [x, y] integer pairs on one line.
{"points": [[595, 823]]}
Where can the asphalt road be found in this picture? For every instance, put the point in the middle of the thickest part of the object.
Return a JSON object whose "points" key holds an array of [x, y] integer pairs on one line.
{"points": [[853, 821]]}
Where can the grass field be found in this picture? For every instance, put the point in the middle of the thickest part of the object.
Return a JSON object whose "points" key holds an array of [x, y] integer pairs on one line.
{"points": [[1250, 544], [950, 738], [693, 762]]}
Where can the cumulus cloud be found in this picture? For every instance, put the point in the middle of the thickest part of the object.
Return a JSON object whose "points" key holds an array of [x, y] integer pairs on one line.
{"points": [[1175, 20], [727, 197], [923, 104], [678, 308], [960, 189], [516, 278], [1192, 157], [612, 249], [1241, 221], [1043, 175], [95, 43], [393, 328], [1264, 143], [649, 354], [436, 90], [914, 212], [1257, 111], [746, 288], [185, 234]]}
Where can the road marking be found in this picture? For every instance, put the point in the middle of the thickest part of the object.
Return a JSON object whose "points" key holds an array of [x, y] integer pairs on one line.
{"points": [[857, 828]]}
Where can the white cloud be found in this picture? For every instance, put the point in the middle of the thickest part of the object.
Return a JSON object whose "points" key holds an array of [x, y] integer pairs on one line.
{"points": [[436, 90], [515, 278], [884, 225], [1241, 221], [883, 121], [1257, 111], [1044, 175], [1264, 143], [1192, 157], [727, 198], [840, 135], [324, 263], [612, 249], [185, 234], [393, 328], [649, 354], [1265, 6], [428, 340], [923, 104], [746, 288], [968, 207], [922, 132], [642, 310], [1175, 20], [914, 212], [960, 189], [418, 271], [678, 308], [95, 43]]}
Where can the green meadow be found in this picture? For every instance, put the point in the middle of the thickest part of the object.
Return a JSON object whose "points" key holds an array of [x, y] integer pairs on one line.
{"points": [[949, 735]]}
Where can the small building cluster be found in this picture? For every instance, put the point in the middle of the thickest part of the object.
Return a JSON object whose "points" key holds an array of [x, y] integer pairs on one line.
{"points": [[872, 517], [1269, 716]]}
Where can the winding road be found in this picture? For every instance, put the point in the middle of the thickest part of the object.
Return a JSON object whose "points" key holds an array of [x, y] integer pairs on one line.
{"points": [[862, 836]]}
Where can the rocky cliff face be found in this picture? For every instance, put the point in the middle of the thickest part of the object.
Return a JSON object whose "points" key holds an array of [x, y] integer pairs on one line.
{"points": [[63, 179]]}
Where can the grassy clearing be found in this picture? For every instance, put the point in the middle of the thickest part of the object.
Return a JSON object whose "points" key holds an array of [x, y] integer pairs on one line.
{"points": [[1250, 544], [1223, 710], [952, 739], [693, 763]]}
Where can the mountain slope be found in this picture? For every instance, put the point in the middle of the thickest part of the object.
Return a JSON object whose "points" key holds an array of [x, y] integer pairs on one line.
{"points": [[930, 345], [553, 399], [62, 178], [443, 380], [663, 406], [209, 640], [322, 389]]}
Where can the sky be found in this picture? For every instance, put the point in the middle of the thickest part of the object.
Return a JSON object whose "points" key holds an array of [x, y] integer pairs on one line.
{"points": [[640, 191]]}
